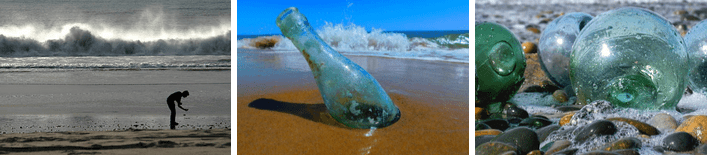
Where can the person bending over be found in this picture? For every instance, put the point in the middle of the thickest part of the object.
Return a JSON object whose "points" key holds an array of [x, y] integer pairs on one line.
{"points": [[176, 96]]}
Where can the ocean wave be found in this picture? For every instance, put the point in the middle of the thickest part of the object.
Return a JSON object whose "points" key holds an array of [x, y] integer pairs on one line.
{"points": [[81, 42]]}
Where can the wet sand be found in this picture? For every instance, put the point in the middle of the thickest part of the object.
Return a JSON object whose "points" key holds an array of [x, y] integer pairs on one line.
{"points": [[157, 142], [280, 110]]}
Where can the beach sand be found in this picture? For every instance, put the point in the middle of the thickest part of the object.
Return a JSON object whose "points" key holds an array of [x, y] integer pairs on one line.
{"points": [[280, 110], [167, 142]]}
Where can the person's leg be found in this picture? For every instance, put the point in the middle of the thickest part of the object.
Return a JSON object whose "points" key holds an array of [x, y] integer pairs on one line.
{"points": [[172, 115]]}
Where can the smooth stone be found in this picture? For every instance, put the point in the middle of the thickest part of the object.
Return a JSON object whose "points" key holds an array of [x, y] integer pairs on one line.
{"points": [[546, 131], [690, 18], [509, 153], [600, 153], [497, 123], [481, 126], [558, 146], [566, 152], [566, 119], [487, 132], [701, 150], [480, 113], [478, 140], [597, 128], [680, 12], [494, 148], [514, 120], [695, 126], [533, 29], [529, 47], [569, 108], [510, 111], [535, 152], [540, 116], [522, 138], [680, 142], [627, 152], [663, 121], [535, 122], [621, 144], [643, 128], [560, 96]]}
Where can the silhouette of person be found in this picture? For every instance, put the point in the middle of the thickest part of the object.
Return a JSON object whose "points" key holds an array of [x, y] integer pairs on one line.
{"points": [[176, 96]]}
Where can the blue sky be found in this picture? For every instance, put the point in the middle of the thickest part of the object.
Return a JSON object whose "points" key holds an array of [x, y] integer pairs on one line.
{"points": [[258, 16]]}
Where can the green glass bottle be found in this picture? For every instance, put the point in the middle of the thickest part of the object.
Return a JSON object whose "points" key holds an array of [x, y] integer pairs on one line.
{"points": [[351, 95], [500, 63]]}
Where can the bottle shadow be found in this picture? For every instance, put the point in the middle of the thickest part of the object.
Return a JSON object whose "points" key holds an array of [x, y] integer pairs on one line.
{"points": [[314, 112]]}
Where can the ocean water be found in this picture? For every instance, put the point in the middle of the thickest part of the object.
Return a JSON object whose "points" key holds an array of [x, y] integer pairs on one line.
{"points": [[449, 45], [110, 65]]}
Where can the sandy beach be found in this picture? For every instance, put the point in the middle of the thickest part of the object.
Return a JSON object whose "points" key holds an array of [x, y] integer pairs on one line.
{"points": [[280, 110]]}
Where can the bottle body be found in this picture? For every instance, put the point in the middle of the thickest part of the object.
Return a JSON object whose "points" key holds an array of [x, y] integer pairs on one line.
{"points": [[630, 57], [556, 45], [696, 43], [352, 96], [500, 63]]}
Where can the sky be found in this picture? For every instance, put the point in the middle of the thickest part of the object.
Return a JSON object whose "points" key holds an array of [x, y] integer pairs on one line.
{"points": [[258, 16]]}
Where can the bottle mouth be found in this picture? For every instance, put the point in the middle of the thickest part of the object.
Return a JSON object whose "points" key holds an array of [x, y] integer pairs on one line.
{"points": [[633, 91]]}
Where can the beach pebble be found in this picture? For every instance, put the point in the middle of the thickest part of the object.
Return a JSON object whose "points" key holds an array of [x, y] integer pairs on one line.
{"points": [[597, 128], [679, 142], [569, 108], [509, 153], [571, 151], [535, 122], [642, 127], [514, 120], [560, 96], [600, 153], [481, 126], [529, 47], [494, 148], [627, 152], [695, 126], [566, 119], [663, 121], [701, 150], [623, 143], [522, 138], [478, 140], [690, 18], [480, 113], [680, 12], [533, 28], [558, 146], [545, 131], [497, 123], [487, 132], [511, 110], [535, 152]]}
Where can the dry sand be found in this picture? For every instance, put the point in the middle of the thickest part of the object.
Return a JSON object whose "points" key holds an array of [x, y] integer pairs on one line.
{"points": [[280, 110], [167, 142]]}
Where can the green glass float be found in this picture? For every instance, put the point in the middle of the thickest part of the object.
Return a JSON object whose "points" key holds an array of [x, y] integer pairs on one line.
{"points": [[351, 95], [630, 57], [500, 63]]}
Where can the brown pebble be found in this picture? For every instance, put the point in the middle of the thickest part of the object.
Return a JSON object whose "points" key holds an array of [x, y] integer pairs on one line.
{"points": [[487, 132], [509, 153], [680, 12], [539, 16], [562, 13], [529, 47], [683, 33], [535, 152], [480, 113], [545, 21], [560, 95], [643, 128], [566, 119], [493, 148], [695, 126], [623, 143], [558, 145], [533, 29]]}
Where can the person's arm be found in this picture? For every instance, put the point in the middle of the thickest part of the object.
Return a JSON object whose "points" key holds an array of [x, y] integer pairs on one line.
{"points": [[179, 104]]}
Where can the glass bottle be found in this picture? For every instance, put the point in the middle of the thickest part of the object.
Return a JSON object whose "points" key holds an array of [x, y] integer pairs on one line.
{"points": [[351, 95], [696, 44], [556, 45], [500, 63], [630, 57]]}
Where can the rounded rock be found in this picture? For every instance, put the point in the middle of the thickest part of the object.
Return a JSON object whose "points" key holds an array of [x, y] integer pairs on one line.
{"points": [[566, 119], [701, 150], [546, 131], [478, 140], [493, 148], [600, 153], [529, 47], [695, 126], [535, 152], [500, 124], [680, 142], [560, 96], [481, 126], [510, 111], [642, 127], [663, 121], [535, 122], [597, 128], [522, 138], [621, 144], [487, 132]]}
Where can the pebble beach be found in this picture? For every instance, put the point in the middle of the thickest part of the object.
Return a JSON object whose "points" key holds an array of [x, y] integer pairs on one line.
{"points": [[544, 119]]}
